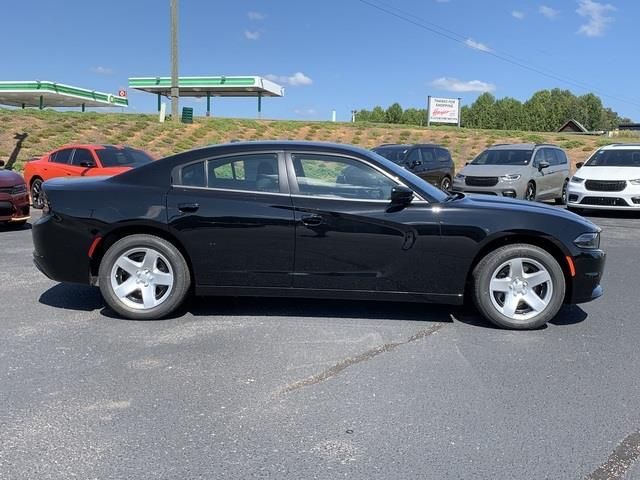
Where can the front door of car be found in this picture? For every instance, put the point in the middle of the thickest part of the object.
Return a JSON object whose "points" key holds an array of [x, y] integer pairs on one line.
{"points": [[559, 171], [413, 162], [234, 216], [82, 162], [542, 177], [350, 237]]}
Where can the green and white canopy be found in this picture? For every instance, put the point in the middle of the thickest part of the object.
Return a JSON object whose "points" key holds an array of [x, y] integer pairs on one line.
{"points": [[42, 94], [220, 86]]}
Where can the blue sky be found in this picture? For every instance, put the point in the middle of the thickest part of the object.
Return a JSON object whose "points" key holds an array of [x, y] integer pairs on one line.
{"points": [[333, 54]]}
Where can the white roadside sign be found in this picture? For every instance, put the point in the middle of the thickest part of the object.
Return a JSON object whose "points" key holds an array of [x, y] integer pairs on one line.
{"points": [[444, 110]]}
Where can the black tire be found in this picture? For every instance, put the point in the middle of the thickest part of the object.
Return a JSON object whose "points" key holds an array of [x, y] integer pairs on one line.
{"points": [[562, 200], [482, 295], [445, 184], [530, 192], [35, 192], [178, 267]]}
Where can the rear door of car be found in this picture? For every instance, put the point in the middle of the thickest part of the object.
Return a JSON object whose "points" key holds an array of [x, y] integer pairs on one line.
{"points": [[560, 171], [234, 216], [349, 236]]}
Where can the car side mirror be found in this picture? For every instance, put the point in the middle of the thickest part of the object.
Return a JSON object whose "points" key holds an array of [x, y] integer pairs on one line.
{"points": [[1, 163], [543, 165], [579, 164], [87, 164], [416, 163], [467, 163], [401, 195]]}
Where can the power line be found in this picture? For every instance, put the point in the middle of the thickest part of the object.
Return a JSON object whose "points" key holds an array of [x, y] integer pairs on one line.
{"points": [[462, 39]]}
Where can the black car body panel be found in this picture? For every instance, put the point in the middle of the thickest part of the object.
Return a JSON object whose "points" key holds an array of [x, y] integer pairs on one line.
{"points": [[285, 243]]}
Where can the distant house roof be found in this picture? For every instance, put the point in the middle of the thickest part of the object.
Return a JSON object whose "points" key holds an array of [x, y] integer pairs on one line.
{"points": [[573, 126], [629, 126]]}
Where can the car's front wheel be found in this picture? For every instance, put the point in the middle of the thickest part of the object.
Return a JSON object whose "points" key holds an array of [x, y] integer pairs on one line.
{"points": [[143, 277], [519, 286], [445, 184]]}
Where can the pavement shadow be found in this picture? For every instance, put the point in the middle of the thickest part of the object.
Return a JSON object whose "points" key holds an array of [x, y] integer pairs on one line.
{"points": [[72, 297], [12, 227], [569, 315]]}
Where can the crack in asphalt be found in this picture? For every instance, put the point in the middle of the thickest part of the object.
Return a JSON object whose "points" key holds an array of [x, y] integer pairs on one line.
{"points": [[362, 357], [620, 460]]}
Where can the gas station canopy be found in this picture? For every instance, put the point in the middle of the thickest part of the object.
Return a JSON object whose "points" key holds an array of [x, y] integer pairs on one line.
{"points": [[41, 94], [220, 86]]}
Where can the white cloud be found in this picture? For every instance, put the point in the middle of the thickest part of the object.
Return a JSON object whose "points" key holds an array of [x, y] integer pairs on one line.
{"points": [[517, 14], [252, 35], [298, 79], [102, 70], [549, 12], [597, 18], [455, 85], [471, 43], [256, 16]]}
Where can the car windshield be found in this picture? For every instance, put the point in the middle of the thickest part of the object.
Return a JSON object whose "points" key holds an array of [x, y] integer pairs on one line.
{"points": [[395, 154], [122, 157], [435, 193], [503, 157], [615, 158]]}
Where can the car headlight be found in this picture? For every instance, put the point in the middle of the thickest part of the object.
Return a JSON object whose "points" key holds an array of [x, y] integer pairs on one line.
{"points": [[575, 179], [635, 182], [588, 240], [19, 189], [459, 176], [510, 178]]}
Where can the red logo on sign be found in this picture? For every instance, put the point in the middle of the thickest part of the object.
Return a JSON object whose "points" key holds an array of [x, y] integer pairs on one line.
{"points": [[122, 93]]}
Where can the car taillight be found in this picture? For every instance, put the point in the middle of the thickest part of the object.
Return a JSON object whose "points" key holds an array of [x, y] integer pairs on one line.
{"points": [[19, 189]]}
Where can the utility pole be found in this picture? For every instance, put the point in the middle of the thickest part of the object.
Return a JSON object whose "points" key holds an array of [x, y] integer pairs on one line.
{"points": [[175, 92]]}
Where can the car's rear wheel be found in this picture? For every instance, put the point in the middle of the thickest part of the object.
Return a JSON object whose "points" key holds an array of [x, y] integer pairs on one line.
{"points": [[562, 199], [445, 184], [530, 192], [37, 200], [143, 277], [519, 286]]}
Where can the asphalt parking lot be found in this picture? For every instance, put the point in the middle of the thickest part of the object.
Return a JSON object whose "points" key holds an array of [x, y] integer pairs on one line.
{"points": [[255, 388]]}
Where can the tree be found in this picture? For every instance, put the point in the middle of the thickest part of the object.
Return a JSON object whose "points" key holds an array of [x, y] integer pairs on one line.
{"points": [[414, 116], [394, 113], [377, 115]]}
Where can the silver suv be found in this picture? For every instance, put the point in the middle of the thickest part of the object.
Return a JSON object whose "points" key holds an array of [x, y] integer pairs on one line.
{"points": [[525, 170]]}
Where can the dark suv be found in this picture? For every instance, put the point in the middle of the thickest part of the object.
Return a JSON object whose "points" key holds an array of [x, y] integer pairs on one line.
{"points": [[431, 162]]}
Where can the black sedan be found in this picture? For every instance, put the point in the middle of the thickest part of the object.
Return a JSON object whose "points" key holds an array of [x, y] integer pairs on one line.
{"points": [[314, 220]]}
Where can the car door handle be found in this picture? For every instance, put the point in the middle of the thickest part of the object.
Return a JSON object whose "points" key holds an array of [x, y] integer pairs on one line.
{"points": [[188, 207], [312, 220]]}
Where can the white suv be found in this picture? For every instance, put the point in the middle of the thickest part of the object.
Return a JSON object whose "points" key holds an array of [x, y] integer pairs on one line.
{"points": [[609, 180]]}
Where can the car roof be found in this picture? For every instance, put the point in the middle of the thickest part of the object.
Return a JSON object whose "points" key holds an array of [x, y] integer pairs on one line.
{"points": [[409, 145], [91, 146], [622, 146], [520, 146]]}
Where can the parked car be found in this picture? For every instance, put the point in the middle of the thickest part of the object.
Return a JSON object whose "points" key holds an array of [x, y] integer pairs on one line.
{"points": [[310, 220], [430, 162], [79, 161], [609, 179], [525, 171], [14, 198]]}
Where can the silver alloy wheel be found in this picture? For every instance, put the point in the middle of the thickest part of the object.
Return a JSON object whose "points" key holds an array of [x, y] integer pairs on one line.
{"points": [[36, 194], [445, 184], [142, 278], [521, 288]]}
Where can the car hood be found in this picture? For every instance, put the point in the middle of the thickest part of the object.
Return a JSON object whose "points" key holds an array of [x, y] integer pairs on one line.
{"points": [[502, 204], [493, 170], [10, 179], [609, 173]]}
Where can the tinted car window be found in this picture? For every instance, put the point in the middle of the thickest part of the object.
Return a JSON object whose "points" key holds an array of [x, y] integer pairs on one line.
{"points": [[62, 156], [615, 158], [339, 177], [395, 154], [442, 155], [503, 157], [428, 157], [82, 155], [122, 157], [257, 172], [413, 156], [194, 175]]}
